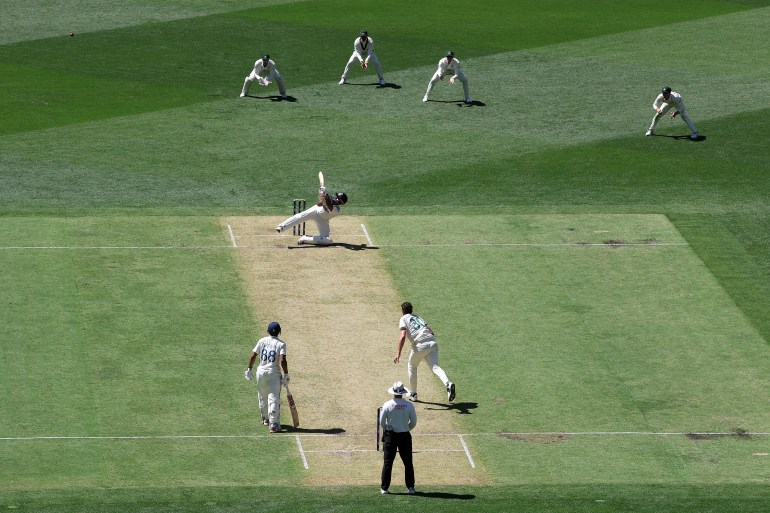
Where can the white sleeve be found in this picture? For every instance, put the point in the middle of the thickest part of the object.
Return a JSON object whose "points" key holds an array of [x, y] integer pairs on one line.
{"points": [[656, 103]]}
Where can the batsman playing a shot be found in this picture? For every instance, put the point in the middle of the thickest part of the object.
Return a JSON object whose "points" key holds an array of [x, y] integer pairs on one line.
{"points": [[327, 207], [271, 352], [424, 347]]}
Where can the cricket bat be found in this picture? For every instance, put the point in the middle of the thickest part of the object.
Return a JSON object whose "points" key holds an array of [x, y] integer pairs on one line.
{"points": [[292, 407], [321, 178]]}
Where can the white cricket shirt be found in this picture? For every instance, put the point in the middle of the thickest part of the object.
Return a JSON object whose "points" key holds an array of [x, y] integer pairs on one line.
{"points": [[417, 329], [398, 415], [268, 351]]}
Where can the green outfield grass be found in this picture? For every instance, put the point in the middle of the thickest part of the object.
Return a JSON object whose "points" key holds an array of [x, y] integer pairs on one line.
{"points": [[582, 278]]}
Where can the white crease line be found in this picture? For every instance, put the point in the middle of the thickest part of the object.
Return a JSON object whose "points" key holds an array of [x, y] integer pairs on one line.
{"points": [[301, 452], [344, 451], [368, 239], [537, 245], [467, 452], [109, 247], [232, 236], [427, 246], [351, 435]]}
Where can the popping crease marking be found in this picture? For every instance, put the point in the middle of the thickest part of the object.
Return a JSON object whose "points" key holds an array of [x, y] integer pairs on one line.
{"points": [[325, 435]]}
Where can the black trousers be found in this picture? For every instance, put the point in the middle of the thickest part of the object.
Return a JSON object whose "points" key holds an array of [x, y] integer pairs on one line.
{"points": [[393, 442]]}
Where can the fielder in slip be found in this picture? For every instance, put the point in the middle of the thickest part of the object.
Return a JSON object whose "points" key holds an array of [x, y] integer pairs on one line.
{"points": [[264, 70], [363, 52], [327, 207], [271, 352], [449, 63], [663, 103]]}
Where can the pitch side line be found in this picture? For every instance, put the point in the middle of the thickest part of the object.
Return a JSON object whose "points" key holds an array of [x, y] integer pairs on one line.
{"points": [[232, 235], [366, 234], [301, 451]]}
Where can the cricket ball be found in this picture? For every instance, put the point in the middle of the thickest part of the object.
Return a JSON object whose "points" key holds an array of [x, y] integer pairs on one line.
{"points": [[72, 34]]}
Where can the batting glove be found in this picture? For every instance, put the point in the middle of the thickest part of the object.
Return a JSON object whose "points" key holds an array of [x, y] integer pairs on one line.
{"points": [[284, 379], [247, 375]]}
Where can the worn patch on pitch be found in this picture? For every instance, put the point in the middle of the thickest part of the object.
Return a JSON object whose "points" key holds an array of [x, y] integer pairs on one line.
{"points": [[339, 311]]}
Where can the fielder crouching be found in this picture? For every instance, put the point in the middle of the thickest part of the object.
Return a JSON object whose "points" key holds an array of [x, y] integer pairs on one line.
{"points": [[327, 207]]}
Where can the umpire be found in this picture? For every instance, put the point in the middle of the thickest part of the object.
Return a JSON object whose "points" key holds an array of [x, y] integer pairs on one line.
{"points": [[398, 417]]}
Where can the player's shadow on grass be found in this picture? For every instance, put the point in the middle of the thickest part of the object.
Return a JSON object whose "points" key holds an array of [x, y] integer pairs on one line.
{"points": [[330, 431], [684, 137], [274, 98], [461, 103], [352, 247], [461, 408], [387, 85], [440, 495]]}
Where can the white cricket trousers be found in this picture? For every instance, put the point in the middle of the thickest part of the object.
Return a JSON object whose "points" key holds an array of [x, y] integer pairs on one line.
{"points": [[460, 76], [356, 57], [315, 214], [427, 351], [682, 114], [272, 75], [269, 395]]}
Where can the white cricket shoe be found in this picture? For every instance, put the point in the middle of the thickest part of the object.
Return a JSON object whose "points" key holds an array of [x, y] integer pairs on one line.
{"points": [[275, 428], [382, 81], [342, 81], [425, 99], [412, 396], [468, 100], [649, 133], [384, 492], [279, 228], [243, 94], [450, 390], [694, 136]]}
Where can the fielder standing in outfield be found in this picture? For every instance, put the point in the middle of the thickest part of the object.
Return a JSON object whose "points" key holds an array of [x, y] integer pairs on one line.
{"points": [[424, 347], [663, 103], [363, 52], [271, 352], [397, 418], [449, 63], [264, 70], [327, 207]]}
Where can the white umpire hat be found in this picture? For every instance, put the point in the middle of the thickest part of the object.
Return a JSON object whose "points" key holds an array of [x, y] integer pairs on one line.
{"points": [[398, 388]]}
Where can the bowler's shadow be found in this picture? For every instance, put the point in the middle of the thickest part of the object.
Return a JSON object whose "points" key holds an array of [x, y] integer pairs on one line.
{"points": [[352, 247], [330, 431], [461, 408]]}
